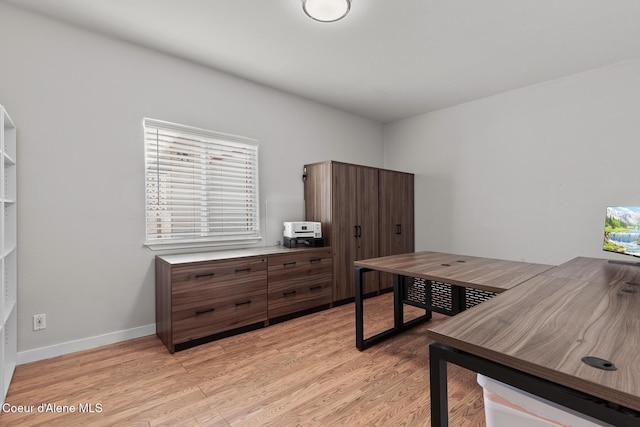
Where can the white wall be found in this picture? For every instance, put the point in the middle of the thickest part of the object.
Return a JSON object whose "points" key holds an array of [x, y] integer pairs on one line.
{"points": [[525, 175], [78, 100]]}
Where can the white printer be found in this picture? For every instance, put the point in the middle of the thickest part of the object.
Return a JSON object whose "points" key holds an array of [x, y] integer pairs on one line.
{"points": [[303, 234]]}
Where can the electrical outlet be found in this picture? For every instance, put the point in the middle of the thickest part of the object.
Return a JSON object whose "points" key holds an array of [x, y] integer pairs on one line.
{"points": [[39, 322]]}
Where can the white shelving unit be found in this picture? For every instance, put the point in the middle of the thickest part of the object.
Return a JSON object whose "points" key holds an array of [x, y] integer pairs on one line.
{"points": [[8, 252]]}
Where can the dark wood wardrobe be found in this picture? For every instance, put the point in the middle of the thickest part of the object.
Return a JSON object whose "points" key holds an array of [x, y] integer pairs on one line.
{"points": [[365, 212]]}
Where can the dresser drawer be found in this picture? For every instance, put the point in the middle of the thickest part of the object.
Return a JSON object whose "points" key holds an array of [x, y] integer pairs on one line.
{"points": [[201, 314], [213, 273], [299, 263], [226, 291], [312, 292], [299, 281]]}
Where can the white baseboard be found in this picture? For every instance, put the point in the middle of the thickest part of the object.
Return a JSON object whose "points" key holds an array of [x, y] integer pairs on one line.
{"points": [[83, 344]]}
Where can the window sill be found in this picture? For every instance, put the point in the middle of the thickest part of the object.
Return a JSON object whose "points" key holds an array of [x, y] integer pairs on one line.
{"points": [[202, 245]]}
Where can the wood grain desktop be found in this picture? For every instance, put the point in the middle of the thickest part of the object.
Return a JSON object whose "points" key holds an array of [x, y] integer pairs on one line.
{"points": [[494, 275], [456, 272], [545, 326]]}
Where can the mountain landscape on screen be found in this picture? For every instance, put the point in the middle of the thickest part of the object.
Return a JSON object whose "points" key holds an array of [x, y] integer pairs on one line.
{"points": [[622, 230]]}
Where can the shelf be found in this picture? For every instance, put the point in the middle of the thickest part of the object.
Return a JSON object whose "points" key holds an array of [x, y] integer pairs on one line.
{"points": [[9, 137], [8, 161], [8, 252]]}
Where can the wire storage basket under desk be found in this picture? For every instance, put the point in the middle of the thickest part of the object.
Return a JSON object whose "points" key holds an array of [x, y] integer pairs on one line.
{"points": [[442, 297]]}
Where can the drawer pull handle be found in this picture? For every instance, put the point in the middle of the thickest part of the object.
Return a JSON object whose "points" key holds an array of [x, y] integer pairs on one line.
{"points": [[208, 310], [198, 276], [286, 294], [238, 304], [312, 260], [242, 270], [289, 264], [315, 288]]}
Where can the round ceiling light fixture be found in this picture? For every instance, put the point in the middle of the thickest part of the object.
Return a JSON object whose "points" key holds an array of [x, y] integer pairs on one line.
{"points": [[326, 10]]}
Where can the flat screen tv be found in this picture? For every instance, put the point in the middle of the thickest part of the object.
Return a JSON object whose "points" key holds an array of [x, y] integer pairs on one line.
{"points": [[622, 230]]}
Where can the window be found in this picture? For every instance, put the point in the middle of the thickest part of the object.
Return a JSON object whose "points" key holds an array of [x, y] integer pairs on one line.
{"points": [[201, 186]]}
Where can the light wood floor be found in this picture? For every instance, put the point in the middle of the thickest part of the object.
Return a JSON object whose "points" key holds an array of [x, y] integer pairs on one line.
{"points": [[304, 372]]}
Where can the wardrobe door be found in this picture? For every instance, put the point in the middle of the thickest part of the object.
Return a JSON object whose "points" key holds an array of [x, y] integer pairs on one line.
{"points": [[367, 223], [344, 229], [317, 197], [396, 217], [407, 217]]}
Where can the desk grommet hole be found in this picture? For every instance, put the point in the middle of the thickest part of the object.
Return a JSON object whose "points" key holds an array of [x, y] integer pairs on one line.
{"points": [[599, 363]]}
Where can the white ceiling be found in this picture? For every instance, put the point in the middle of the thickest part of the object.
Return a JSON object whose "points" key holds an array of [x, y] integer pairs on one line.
{"points": [[389, 59]]}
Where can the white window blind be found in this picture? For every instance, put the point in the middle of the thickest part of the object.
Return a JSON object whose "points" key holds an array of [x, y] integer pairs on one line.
{"points": [[201, 186]]}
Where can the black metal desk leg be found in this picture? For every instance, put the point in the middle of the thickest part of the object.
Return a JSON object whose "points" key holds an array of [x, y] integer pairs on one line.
{"points": [[399, 285], [438, 388], [458, 299], [358, 272], [398, 307]]}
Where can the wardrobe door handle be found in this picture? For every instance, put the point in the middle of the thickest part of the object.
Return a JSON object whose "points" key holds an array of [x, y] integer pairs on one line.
{"points": [[355, 232], [205, 311], [238, 304], [398, 228]]}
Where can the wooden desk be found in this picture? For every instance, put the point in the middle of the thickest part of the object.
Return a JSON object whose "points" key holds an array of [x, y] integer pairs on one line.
{"points": [[457, 271], [535, 336]]}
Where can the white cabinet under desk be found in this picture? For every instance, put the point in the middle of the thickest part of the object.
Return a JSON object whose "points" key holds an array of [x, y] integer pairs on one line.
{"points": [[208, 295]]}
